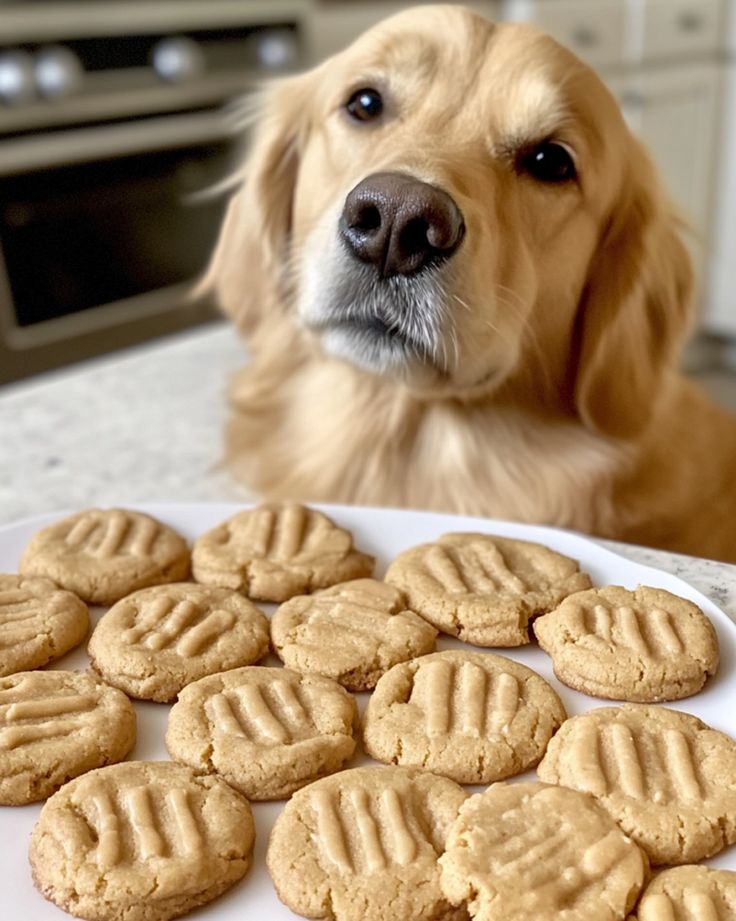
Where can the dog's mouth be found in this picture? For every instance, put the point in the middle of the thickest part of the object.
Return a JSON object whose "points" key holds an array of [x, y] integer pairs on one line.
{"points": [[370, 341], [390, 325]]}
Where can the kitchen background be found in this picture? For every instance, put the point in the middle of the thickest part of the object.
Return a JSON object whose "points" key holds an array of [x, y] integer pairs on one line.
{"points": [[116, 118]]}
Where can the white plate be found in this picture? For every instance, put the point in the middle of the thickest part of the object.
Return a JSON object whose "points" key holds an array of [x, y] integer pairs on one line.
{"points": [[382, 532]]}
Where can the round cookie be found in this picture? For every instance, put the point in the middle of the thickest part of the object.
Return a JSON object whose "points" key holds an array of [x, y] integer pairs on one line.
{"points": [[352, 632], [528, 850], [276, 551], [267, 731], [104, 554], [154, 642], [363, 846], [484, 589], [55, 726], [471, 716], [665, 777], [140, 841], [644, 646], [38, 623], [689, 894]]}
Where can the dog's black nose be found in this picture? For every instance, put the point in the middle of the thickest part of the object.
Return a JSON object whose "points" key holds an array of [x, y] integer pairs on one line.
{"points": [[400, 224]]}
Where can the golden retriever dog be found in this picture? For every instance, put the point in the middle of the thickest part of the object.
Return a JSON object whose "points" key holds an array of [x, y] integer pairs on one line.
{"points": [[463, 289]]}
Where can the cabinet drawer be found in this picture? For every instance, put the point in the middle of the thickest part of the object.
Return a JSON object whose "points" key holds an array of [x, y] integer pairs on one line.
{"points": [[594, 31], [681, 27]]}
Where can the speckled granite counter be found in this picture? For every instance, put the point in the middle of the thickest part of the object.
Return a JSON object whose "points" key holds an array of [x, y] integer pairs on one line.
{"points": [[145, 425]]}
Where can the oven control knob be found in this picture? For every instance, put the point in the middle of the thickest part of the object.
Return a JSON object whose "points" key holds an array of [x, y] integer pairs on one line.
{"points": [[277, 49], [177, 59], [17, 83], [59, 72]]}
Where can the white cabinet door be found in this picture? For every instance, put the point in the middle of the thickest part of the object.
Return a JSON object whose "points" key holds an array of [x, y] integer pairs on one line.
{"points": [[675, 113], [595, 31], [720, 315]]}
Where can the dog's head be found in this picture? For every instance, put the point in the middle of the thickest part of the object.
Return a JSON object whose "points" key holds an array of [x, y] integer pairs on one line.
{"points": [[461, 205]]}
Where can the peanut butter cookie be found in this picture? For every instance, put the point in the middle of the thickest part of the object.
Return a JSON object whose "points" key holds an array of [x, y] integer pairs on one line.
{"points": [[353, 632], [154, 642], [665, 777], [471, 716], [140, 841], [531, 851], [104, 554], [363, 846], [642, 646], [38, 622], [689, 894], [484, 589], [55, 726], [267, 731], [276, 551]]}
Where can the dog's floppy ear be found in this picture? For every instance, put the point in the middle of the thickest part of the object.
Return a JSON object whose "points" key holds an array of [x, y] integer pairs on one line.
{"points": [[635, 310], [247, 268]]}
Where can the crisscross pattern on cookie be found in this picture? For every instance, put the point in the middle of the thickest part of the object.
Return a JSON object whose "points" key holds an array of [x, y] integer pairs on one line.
{"points": [[353, 632], [567, 853]]}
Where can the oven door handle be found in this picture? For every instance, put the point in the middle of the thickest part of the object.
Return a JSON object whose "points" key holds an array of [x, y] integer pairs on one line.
{"points": [[58, 149]]}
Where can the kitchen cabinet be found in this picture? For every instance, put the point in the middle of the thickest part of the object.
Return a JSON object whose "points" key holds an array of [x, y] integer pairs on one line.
{"points": [[662, 61], [675, 113]]}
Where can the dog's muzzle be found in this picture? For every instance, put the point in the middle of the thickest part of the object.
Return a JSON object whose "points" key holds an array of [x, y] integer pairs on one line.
{"points": [[400, 225]]}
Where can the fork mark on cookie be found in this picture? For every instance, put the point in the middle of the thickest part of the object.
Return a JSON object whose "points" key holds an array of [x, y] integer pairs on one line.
{"points": [[438, 684], [189, 835], [657, 908], [506, 701], [682, 765], [585, 760], [150, 843], [405, 846], [631, 776], [330, 831], [165, 621], [140, 809], [112, 533], [108, 831], [260, 715], [664, 629]]}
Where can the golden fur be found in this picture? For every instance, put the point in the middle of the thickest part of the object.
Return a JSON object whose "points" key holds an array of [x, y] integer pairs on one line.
{"points": [[553, 395]]}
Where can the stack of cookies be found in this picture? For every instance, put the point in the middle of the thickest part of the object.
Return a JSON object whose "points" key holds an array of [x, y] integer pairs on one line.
{"points": [[621, 789]]}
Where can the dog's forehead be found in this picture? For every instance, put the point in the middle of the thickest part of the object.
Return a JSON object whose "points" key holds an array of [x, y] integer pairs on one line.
{"points": [[509, 77]]}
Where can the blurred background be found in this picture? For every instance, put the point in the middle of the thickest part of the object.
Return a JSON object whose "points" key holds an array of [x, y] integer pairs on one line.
{"points": [[114, 119]]}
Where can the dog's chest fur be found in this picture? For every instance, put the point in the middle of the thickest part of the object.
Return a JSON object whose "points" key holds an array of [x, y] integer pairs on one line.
{"points": [[322, 431]]}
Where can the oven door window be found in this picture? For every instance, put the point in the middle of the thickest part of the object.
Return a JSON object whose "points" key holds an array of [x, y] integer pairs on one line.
{"points": [[88, 235]]}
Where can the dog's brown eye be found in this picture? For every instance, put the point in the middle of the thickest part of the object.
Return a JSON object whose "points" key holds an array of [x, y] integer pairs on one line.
{"points": [[365, 105], [547, 162]]}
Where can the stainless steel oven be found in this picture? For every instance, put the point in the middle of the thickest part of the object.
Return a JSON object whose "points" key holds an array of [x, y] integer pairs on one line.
{"points": [[111, 125]]}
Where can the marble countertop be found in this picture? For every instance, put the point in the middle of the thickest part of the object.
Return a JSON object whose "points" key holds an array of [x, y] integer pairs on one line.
{"points": [[145, 424]]}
